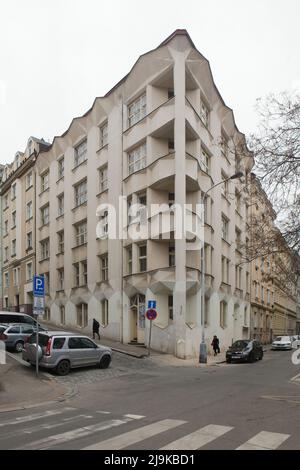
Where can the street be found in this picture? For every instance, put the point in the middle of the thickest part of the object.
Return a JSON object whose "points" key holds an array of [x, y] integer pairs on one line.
{"points": [[150, 404]]}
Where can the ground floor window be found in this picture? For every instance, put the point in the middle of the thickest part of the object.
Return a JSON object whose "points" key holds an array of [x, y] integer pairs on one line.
{"points": [[223, 314], [62, 315], [47, 314], [170, 307], [104, 312], [82, 315]]}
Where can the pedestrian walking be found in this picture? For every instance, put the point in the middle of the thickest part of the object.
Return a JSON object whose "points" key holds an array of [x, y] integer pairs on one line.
{"points": [[216, 345], [96, 327]]}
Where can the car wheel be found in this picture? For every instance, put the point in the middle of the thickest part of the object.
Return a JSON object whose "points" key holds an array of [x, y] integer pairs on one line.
{"points": [[228, 361], [104, 362], [63, 367], [19, 346]]}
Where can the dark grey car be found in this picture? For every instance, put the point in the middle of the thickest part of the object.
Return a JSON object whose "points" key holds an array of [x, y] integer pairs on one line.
{"points": [[62, 351], [15, 336]]}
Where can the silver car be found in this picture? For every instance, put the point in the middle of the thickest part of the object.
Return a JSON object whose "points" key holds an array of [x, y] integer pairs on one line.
{"points": [[61, 351], [15, 335]]}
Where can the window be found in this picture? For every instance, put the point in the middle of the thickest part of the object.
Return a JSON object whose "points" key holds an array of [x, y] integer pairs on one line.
{"points": [[61, 167], [170, 307], [29, 241], [62, 315], [206, 311], [205, 161], [58, 343], [47, 282], [245, 316], [28, 271], [60, 203], [6, 280], [5, 202], [84, 273], [61, 241], [262, 264], [45, 215], [238, 238], [29, 210], [204, 113], [45, 249], [224, 228], [104, 312], [81, 233], [16, 276], [262, 294], [103, 135], [104, 267], [61, 279], [137, 110], [225, 270], [171, 145], [223, 314], [13, 247], [76, 275], [171, 254], [6, 254], [14, 219], [256, 289], [103, 178], [143, 257], [82, 315], [80, 193], [224, 186], [224, 144], [268, 297], [6, 303], [104, 223], [142, 212], [137, 159], [6, 227], [81, 153], [45, 181], [13, 191], [171, 199], [247, 282], [238, 277], [129, 259], [29, 180]]}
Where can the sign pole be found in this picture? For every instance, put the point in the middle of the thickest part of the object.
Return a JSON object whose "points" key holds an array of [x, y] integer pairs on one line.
{"points": [[150, 331], [39, 306], [37, 348]]}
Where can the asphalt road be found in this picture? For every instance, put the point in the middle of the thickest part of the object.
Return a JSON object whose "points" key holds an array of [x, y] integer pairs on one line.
{"points": [[138, 404]]}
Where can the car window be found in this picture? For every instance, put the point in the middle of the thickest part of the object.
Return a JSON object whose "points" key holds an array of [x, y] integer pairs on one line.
{"points": [[27, 329], [58, 343], [240, 344], [14, 330], [43, 339], [87, 343], [29, 320], [2, 328], [278, 338], [74, 343]]}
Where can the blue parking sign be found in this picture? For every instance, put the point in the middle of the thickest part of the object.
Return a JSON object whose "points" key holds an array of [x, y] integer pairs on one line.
{"points": [[38, 286], [152, 304]]}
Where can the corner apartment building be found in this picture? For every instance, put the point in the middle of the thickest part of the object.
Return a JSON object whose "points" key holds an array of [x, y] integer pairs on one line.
{"points": [[274, 301], [1, 292], [18, 228], [163, 134]]}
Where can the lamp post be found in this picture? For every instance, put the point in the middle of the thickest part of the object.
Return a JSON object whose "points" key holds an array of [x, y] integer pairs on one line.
{"points": [[203, 348]]}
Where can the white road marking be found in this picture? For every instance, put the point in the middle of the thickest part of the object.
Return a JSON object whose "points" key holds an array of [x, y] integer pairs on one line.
{"points": [[132, 437], [56, 439], [199, 438], [264, 441], [134, 416], [104, 412], [33, 417]]}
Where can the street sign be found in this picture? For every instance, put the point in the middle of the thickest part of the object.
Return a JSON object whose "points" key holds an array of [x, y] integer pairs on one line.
{"points": [[38, 286], [39, 303], [151, 314], [152, 304]]}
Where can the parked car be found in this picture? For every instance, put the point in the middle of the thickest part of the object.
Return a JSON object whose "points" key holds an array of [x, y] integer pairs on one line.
{"points": [[295, 341], [8, 318], [61, 351], [15, 336], [245, 350], [282, 342]]}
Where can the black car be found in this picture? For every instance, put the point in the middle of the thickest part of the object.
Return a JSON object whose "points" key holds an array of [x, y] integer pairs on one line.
{"points": [[245, 350]]}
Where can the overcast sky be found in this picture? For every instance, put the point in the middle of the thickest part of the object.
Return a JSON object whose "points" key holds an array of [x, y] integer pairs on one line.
{"points": [[57, 56]]}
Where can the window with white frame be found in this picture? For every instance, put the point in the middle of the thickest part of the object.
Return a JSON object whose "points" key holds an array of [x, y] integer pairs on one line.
{"points": [[61, 167], [45, 181], [45, 215], [129, 259], [13, 191], [84, 272], [76, 274], [103, 135], [80, 191], [6, 280], [29, 241], [104, 223], [45, 249], [6, 254], [80, 153], [204, 113], [238, 238], [137, 159], [81, 233], [103, 178], [143, 258], [104, 312], [225, 270], [13, 247], [62, 313], [205, 161], [61, 279], [16, 276], [238, 277], [5, 228], [29, 271], [82, 315], [171, 254], [60, 205], [224, 228], [13, 219], [223, 314], [61, 241], [29, 180], [137, 110], [29, 210], [104, 267]]}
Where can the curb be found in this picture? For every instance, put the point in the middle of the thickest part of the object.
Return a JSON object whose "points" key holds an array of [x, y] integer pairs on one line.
{"points": [[121, 351]]}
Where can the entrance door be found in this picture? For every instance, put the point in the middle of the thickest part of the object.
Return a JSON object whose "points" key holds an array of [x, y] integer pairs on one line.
{"points": [[133, 324]]}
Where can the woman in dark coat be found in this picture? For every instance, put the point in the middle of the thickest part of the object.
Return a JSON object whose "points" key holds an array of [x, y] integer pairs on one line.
{"points": [[216, 345]]}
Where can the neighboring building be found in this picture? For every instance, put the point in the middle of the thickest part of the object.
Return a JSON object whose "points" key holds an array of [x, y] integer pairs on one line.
{"points": [[162, 135], [1, 292], [274, 295], [18, 228]]}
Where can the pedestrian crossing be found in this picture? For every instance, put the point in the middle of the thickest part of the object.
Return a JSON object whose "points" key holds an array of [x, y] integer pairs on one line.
{"points": [[71, 428]]}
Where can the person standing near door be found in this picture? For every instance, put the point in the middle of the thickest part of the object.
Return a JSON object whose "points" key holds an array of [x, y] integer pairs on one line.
{"points": [[96, 327]]}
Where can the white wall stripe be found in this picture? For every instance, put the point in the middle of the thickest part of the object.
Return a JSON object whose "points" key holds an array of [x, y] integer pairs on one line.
{"points": [[132, 437], [264, 441], [199, 438]]}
